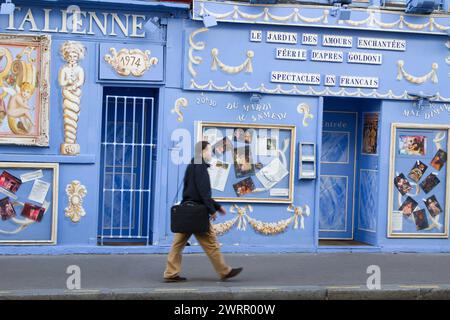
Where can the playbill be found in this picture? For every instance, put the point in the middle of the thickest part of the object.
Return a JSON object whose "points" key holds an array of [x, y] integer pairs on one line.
{"points": [[39, 191], [218, 174], [271, 174]]}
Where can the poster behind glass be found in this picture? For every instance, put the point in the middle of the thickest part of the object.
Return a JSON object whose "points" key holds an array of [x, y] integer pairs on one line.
{"points": [[419, 187], [251, 163], [28, 203]]}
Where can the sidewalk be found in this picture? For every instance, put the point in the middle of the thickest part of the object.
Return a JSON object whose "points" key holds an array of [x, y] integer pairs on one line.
{"points": [[274, 276]]}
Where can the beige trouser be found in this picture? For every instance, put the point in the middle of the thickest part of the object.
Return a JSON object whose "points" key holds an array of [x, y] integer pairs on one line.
{"points": [[209, 243]]}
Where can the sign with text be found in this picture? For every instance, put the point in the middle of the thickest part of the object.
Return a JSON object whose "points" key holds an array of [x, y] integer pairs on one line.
{"points": [[315, 61]]}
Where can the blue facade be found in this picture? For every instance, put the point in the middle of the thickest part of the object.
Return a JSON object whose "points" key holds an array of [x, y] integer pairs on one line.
{"points": [[343, 85]]}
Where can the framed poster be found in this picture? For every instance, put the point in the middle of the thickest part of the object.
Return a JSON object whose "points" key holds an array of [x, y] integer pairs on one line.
{"points": [[251, 163], [25, 89], [370, 133], [419, 178], [28, 203]]}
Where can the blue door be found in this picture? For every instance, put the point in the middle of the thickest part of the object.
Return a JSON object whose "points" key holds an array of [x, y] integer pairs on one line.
{"points": [[337, 175]]}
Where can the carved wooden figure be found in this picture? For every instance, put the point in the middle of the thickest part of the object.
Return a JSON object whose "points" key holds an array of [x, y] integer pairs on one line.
{"points": [[71, 79]]}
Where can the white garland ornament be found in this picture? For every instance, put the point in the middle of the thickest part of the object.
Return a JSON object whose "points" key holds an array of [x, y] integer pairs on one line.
{"points": [[417, 80], [247, 64]]}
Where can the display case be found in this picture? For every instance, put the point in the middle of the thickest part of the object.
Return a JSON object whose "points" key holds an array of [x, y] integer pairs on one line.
{"points": [[419, 181], [251, 163]]}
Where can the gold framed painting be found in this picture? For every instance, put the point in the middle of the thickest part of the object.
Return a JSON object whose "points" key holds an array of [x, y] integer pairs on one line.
{"points": [[28, 203], [25, 89], [251, 162], [419, 179]]}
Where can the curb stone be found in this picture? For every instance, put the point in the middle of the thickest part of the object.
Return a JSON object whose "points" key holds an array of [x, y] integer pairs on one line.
{"points": [[237, 293]]}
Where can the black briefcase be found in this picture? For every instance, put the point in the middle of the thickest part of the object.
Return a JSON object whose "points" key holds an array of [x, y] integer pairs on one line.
{"points": [[189, 217]]}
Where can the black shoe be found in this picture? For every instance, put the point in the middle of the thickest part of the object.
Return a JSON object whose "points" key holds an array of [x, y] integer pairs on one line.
{"points": [[175, 279], [233, 273]]}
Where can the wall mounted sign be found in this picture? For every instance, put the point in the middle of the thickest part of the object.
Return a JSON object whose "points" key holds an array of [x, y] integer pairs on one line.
{"points": [[295, 77], [364, 58], [358, 82], [281, 37], [251, 163], [290, 54], [255, 35], [131, 62], [328, 56], [362, 66], [337, 41], [24, 101], [310, 39], [419, 179], [381, 44], [76, 22], [28, 209], [71, 79]]}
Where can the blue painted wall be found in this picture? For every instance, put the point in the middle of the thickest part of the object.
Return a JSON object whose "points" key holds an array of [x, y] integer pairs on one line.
{"points": [[211, 105]]}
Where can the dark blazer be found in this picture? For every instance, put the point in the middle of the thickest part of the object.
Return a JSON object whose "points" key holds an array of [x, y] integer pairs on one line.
{"points": [[197, 186]]}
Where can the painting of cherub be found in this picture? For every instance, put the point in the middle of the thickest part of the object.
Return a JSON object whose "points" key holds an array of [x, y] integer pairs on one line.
{"points": [[24, 85]]}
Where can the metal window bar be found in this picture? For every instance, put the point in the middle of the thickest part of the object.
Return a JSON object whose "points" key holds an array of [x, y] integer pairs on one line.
{"points": [[143, 149]]}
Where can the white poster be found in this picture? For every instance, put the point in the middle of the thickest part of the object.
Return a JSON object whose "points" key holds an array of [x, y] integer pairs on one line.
{"points": [[279, 192], [218, 174], [31, 175], [397, 221], [267, 146], [39, 191], [271, 174]]}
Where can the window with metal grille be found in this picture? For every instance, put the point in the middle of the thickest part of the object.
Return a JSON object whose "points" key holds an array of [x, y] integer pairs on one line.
{"points": [[128, 157]]}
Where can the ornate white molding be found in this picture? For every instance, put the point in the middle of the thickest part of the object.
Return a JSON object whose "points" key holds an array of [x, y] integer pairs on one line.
{"points": [[401, 73], [198, 46], [180, 102], [233, 12], [71, 79], [306, 110], [130, 61], [294, 90], [247, 64], [266, 15], [373, 20], [75, 192]]}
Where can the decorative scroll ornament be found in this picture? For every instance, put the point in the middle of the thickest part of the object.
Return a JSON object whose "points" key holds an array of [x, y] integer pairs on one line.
{"points": [[22, 224], [130, 61], [71, 79], [295, 90], [265, 228], [198, 46], [180, 102], [247, 64], [417, 80], [305, 109], [76, 192]]}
